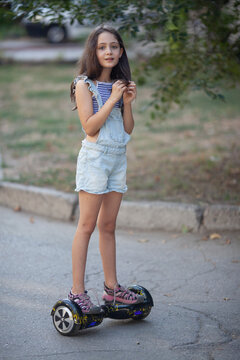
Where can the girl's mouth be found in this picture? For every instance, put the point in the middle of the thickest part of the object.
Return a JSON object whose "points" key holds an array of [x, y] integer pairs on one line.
{"points": [[109, 59]]}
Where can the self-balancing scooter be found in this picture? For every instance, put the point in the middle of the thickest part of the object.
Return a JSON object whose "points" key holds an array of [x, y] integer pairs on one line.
{"points": [[68, 318]]}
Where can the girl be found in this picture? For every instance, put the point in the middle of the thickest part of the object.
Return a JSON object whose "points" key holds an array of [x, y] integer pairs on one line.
{"points": [[103, 94]]}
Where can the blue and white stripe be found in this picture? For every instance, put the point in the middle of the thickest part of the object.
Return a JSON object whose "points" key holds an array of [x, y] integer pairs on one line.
{"points": [[104, 90]]}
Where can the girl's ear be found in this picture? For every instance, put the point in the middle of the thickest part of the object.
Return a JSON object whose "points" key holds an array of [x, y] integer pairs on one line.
{"points": [[121, 52]]}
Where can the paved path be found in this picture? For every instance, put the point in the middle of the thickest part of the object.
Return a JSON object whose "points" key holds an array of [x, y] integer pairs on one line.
{"points": [[38, 50], [194, 283]]}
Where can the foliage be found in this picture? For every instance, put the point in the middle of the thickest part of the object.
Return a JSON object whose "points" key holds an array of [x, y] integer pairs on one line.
{"points": [[194, 44]]}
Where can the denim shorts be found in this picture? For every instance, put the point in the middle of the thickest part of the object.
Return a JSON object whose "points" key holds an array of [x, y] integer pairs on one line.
{"points": [[101, 169]]}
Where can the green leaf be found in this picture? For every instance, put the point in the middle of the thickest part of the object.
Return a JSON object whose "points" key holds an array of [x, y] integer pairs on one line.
{"points": [[170, 26]]}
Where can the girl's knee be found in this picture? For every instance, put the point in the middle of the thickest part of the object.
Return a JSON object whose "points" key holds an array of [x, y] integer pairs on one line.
{"points": [[106, 226], [86, 228]]}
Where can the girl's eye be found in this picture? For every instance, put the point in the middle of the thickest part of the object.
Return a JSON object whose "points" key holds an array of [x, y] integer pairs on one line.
{"points": [[103, 47]]}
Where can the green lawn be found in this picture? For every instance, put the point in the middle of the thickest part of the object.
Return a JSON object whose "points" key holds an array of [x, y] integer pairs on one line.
{"points": [[192, 156]]}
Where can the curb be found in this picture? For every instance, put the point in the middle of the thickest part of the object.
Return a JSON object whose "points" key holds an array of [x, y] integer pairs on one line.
{"points": [[159, 215], [40, 201]]}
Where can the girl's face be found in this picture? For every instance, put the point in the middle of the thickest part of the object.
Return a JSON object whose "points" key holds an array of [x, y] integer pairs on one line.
{"points": [[108, 50]]}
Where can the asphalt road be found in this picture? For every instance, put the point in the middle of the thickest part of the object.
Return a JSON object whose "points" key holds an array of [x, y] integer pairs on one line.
{"points": [[194, 281]]}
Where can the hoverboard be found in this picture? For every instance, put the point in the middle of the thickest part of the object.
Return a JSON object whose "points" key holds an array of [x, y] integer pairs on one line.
{"points": [[68, 319]]}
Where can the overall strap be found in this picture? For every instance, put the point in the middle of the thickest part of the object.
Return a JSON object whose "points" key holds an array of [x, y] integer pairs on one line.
{"points": [[91, 86]]}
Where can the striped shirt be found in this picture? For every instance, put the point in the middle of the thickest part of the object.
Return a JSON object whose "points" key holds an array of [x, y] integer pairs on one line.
{"points": [[104, 90]]}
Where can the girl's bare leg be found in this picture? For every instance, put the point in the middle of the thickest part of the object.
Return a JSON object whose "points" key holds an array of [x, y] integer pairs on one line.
{"points": [[107, 244], [89, 205]]}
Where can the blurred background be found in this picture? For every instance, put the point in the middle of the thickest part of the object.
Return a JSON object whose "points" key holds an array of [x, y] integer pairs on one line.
{"points": [[191, 154]]}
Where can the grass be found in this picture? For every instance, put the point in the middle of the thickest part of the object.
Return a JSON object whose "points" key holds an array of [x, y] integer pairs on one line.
{"points": [[193, 156], [45, 94]]}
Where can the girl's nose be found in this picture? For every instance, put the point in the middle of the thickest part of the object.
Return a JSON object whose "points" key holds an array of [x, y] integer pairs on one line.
{"points": [[108, 50]]}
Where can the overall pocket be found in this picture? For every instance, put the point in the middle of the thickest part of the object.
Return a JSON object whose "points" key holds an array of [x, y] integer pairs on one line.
{"points": [[116, 128], [93, 155]]}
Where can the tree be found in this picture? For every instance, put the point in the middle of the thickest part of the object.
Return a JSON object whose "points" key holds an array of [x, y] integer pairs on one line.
{"points": [[196, 43]]}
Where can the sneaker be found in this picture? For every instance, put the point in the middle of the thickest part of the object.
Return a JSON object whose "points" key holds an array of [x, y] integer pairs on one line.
{"points": [[121, 295], [84, 302]]}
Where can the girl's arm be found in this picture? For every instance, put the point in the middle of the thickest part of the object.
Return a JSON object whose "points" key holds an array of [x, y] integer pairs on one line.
{"points": [[128, 120], [128, 96], [91, 123]]}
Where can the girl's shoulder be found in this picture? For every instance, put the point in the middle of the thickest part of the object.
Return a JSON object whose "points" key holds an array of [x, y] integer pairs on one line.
{"points": [[81, 80], [80, 77]]}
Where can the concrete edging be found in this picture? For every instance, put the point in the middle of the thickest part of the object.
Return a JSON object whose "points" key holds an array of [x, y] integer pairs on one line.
{"points": [[40, 201], [155, 215]]}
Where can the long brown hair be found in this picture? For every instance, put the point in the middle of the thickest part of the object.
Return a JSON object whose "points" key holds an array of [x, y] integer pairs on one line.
{"points": [[89, 64]]}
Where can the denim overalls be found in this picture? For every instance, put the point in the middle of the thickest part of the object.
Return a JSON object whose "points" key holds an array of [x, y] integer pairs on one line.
{"points": [[101, 165]]}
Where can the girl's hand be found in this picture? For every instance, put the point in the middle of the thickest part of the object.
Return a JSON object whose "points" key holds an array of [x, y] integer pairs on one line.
{"points": [[118, 89], [130, 93]]}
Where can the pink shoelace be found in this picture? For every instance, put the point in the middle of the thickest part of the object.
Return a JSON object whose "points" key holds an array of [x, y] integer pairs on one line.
{"points": [[83, 300], [123, 293]]}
